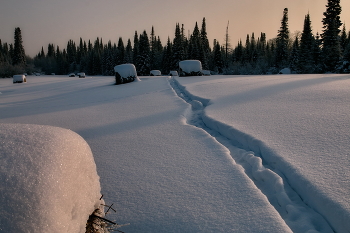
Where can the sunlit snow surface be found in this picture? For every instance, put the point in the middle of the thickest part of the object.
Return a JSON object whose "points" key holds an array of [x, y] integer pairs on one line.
{"points": [[298, 124], [164, 173], [48, 179]]}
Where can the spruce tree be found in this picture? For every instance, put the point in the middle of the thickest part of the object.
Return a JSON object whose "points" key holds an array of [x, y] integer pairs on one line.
{"points": [[307, 44], [167, 64], [295, 56], [143, 58], [282, 42], [195, 46], [120, 53], [135, 49], [177, 48], [19, 56], [128, 52], [331, 48], [218, 58], [153, 42], [205, 45]]}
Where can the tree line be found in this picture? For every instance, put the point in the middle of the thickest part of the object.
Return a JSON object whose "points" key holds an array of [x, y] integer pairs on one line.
{"points": [[305, 52]]}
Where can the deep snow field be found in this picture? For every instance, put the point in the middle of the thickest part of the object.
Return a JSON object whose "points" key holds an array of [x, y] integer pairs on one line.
{"points": [[183, 154]]}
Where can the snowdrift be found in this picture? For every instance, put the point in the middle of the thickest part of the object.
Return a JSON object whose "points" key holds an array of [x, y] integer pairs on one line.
{"points": [[48, 180], [125, 73]]}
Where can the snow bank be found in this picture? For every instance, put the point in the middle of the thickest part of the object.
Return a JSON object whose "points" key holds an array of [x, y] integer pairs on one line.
{"points": [[190, 68], [48, 179]]}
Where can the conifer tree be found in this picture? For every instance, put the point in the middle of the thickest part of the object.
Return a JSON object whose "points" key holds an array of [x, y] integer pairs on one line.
{"points": [[19, 56], [331, 48], [153, 42], [195, 47], [143, 58], [246, 51], [167, 64], [135, 49], [120, 53], [307, 44], [71, 55], [343, 38], [282, 42], [294, 56], [177, 48], [218, 58], [205, 51], [128, 52]]}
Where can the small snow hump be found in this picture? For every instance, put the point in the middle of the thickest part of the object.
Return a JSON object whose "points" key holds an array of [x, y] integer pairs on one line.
{"points": [[196, 105]]}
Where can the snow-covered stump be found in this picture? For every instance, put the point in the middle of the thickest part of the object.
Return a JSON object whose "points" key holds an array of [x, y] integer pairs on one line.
{"points": [[190, 68], [155, 73], [19, 78], [49, 181], [125, 73]]}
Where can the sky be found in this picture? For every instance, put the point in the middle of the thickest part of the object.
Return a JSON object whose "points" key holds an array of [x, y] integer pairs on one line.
{"points": [[50, 21]]}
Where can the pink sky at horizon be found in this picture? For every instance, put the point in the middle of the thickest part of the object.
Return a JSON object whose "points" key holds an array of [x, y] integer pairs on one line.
{"points": [[48, 21]]}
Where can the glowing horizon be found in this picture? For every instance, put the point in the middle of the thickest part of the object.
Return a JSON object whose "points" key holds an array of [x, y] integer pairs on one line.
{"points": [[43, 22]]}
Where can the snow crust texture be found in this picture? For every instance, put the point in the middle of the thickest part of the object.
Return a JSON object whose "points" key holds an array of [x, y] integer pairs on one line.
{"points": [[48, 179]]}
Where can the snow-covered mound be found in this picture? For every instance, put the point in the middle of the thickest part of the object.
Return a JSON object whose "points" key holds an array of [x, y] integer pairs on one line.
{"points": [[285, 71], [48, 179], [155, 73], [190, 68], [173, 73], [19, 78], [125, 73]]}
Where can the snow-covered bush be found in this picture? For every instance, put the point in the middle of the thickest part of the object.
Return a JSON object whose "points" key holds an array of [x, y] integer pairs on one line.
{"points": [[173, 73], [190, 68], [49, 181], [19, 78], [285, 71], [155, 73], [125, 73], [206, 72], [81, 75]]}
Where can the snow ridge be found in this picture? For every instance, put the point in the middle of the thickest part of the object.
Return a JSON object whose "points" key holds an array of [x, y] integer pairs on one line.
{"points": [[272, 183]]}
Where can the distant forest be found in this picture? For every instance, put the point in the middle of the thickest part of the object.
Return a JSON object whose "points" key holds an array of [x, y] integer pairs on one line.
{"points": [[303, 53]]}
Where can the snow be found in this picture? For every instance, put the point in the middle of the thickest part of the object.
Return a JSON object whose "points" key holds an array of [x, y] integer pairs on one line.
{"points": [[297, 124], [19, 78], [285, 71], [189, 66], [49, 181], [200, 154], [173, 73], [206, 72], [155, 73], [126, 71]]}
